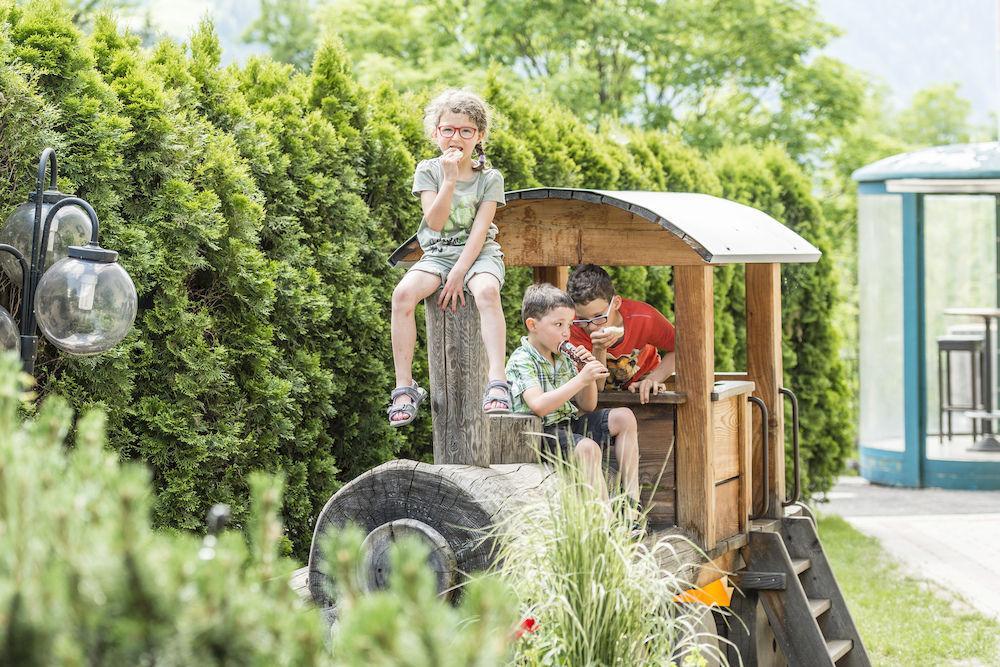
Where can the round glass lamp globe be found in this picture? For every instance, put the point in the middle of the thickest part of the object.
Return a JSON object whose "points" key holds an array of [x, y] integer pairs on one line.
{"points": [[70, 226], [10, 339], [85, 307]]}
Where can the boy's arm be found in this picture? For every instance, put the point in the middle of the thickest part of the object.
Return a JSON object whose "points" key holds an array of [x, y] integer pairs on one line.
{"points": [[601, 355], [545, 403], [593, 372], [586, 398], [582, 388], [662, 338], [652, 383], [665, 368]]}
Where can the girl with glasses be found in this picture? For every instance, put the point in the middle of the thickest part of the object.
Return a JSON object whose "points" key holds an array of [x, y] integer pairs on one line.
{"points": [[459, 195]]}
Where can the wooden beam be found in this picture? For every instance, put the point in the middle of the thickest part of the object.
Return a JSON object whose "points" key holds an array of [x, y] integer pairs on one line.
{"points": [[695, 324], [763, 285], [560, 232], [555, 275]]}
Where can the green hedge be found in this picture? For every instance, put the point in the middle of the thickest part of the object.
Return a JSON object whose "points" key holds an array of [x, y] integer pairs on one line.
{"points": [[254, 207]]}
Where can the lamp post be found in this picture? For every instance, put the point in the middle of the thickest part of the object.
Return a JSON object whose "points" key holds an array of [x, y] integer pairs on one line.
{"points": [[85, 302]]}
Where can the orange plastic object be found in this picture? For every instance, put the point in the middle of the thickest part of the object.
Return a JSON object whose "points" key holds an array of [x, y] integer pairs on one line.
{"points": [[717, 593]]}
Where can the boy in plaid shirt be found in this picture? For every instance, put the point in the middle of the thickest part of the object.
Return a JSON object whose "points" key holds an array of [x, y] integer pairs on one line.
{"points": [[546, 382]]}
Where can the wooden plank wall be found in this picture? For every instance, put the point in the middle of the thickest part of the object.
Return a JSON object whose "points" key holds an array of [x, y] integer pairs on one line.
{"points": [[657, 463], [763, 285], [731, 436]]}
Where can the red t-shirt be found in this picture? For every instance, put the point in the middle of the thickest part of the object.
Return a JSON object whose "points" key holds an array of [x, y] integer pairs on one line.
{"points": [[631, 358]]}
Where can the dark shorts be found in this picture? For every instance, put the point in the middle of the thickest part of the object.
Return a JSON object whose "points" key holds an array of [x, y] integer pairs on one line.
{"points": [[566, 434]]}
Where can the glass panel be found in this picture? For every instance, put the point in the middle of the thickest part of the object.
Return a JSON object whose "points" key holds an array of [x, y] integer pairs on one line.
{"points": [[960, 266], [880, 326]]}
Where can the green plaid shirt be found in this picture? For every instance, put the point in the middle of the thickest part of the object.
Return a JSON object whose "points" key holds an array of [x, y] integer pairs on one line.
{"points": [[527, 368]]}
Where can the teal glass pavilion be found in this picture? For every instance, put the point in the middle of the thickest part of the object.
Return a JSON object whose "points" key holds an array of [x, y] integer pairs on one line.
{"points": [[927, 242]]}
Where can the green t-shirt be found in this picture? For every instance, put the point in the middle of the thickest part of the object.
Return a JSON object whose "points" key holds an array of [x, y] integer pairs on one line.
{"points": [[527, 368], [486, 185]]}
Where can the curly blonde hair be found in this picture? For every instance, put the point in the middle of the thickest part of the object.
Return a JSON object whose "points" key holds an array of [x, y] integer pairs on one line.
{"points": [[464, 102]]}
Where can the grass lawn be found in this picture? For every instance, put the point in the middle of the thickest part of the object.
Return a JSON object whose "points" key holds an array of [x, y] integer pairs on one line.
{"points": [[904, 620]]}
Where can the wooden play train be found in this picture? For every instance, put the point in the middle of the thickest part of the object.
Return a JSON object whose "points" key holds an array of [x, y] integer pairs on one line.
{"points": [[712, 448]]}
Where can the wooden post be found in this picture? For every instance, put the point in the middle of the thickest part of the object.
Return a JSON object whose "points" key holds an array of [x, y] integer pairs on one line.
{"points": [[556, 275], [456, 358], [515, 439], [695, 325], [763, 284]]}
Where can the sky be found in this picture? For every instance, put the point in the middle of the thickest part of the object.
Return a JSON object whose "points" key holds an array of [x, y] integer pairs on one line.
{"points": [[907, 44]]}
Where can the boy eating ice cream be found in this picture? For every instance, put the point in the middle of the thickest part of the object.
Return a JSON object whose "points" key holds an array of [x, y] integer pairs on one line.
{"points": [[627, 336]]}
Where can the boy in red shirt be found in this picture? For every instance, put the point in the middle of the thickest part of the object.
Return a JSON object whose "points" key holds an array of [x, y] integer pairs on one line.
{"points": [[625, 335]]}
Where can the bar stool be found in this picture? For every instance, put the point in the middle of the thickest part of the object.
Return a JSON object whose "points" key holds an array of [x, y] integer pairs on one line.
{"points": [[971, 344]]}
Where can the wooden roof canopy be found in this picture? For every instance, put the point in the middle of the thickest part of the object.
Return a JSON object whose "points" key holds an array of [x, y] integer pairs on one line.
{"points": [[569, 226]]}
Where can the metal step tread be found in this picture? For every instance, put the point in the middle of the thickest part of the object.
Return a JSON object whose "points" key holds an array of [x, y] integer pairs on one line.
{"points": [[818, 605], [800, 565], [838, 648]]}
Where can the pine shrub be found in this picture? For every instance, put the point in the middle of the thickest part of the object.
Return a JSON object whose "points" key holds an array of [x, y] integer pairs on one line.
{"points": [[84, 580]]}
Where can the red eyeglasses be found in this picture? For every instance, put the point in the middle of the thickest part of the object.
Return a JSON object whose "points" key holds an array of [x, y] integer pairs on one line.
{"points": [[448, 131]]}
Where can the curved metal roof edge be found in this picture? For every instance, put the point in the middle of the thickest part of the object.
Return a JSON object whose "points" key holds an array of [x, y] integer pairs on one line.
{"points": [[921, 163], [608, 197]]}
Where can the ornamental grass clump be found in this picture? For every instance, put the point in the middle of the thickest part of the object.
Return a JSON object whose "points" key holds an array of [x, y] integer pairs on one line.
{"points": [[593, 588]]}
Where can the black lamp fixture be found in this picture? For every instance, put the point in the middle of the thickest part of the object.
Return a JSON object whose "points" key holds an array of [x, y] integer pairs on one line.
{"points": [[72, 289]]}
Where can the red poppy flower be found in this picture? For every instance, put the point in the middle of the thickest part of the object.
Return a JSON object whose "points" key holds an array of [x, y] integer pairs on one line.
{"points": [[527, 626]]}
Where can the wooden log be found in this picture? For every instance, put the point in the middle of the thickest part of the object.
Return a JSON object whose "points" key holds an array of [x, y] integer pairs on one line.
{"points": [[456, 358], [763, 286], [376, 548], [515, 439], [457, 511], [463, 504], [695, 376]]}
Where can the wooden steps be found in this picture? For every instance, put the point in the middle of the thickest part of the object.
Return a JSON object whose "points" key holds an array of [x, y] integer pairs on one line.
{"points": [[787, 572], [838, 648], [818, 606], [800, 565]]}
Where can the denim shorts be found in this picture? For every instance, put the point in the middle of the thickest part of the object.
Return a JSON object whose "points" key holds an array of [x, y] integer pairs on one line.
{"points": [[568, 433]]}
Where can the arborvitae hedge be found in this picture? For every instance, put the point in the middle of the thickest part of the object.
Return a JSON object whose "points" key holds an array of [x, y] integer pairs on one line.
{"points": [[254, 207], [772, 182]]}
